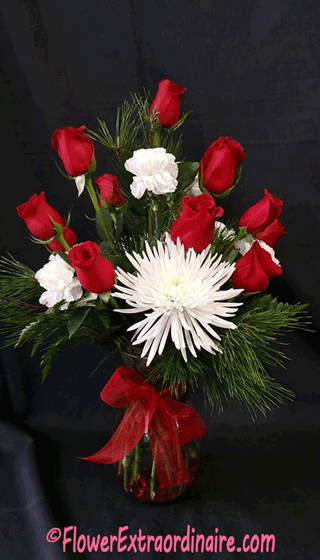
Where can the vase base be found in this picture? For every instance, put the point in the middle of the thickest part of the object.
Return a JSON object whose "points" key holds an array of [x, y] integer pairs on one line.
{"points": [[141, 489]]}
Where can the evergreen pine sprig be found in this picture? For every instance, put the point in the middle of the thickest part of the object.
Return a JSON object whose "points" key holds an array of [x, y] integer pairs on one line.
{"points": [[238, 374], [17, 280], [18, 287], [134, 130], [51, 334]]}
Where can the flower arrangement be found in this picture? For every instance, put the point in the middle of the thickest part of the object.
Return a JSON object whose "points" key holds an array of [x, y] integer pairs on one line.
{"points": [[177, 291]]}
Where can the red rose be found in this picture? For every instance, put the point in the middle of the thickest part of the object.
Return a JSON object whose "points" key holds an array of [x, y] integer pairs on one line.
{"points": [[195, 226], [75, 149], [95, 273], [36, 213], [110, 190], [218, 165], [272, 233], [262, 214], [167, 102], [254, 269]]}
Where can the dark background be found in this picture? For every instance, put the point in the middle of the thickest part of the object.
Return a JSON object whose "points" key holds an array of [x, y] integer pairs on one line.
{"points": [[251, 68]]}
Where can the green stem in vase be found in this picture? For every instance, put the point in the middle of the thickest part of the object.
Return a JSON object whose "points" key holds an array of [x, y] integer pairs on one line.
{"points": [[125, 463], [120, 468], [153, 481], [136, 463]]}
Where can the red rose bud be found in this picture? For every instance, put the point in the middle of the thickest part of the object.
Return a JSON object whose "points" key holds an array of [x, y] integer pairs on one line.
{"points": [[195, 226], [37, 214], [272, 233], [95, 273], [74, 148], [218, 164], [254, 269], [110, 190], [167, 102], [262, 214]]}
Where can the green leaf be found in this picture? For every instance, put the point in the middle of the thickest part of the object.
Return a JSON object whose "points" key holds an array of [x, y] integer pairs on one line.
{"points": [[108, 220], [105, 321], [119, 226], [242, 234], [187, 173], [105, 249], [87, 300], [77, 319]]}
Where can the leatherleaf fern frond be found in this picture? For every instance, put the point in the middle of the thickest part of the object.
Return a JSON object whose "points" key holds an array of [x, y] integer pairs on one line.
{"points": [[237, 375]]}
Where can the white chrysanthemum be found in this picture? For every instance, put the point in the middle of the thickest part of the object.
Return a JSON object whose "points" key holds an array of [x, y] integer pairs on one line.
{"points": [[182, 291], [243, 247], [154, 169], [57, 278]]}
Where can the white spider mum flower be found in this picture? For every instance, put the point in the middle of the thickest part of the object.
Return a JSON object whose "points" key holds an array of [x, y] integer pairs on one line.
{"points": [[154, 169], [182, 291]]}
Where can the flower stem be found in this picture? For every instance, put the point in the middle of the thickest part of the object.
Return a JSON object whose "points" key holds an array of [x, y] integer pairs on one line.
{"points": [[126, 463], [150, 221], [153, 217], [61, 239], [136, 463], [156, 224], [113, 302], [228, 249], [97, 208], [156, 140], [153, 481]]}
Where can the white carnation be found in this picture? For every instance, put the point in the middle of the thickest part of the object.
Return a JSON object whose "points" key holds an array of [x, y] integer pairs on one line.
{"points": [[155, 170], [57, 278]]}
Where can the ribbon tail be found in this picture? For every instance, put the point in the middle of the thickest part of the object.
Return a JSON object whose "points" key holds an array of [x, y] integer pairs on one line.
{"points": [[128, 434], [166, 449], [191, 425]]}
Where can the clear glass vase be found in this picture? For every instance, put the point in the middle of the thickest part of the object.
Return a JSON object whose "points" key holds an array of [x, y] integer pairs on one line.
{"points": [[137, 472], [138, 477]]}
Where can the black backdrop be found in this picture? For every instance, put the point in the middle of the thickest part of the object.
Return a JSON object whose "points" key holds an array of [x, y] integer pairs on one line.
{"points": [[251, 68]]}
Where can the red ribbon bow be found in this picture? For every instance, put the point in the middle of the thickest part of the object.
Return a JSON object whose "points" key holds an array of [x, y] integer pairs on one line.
{"points": [[170, 425]]}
